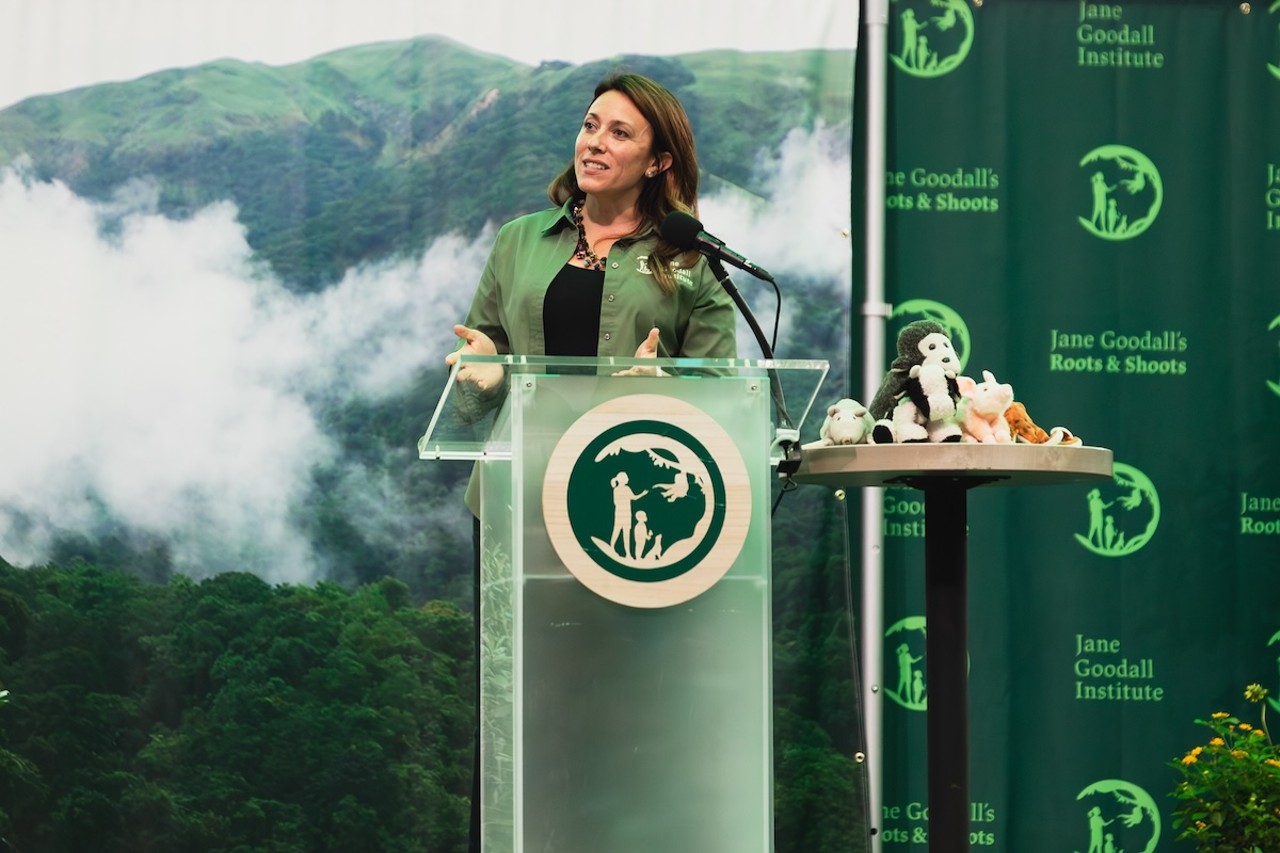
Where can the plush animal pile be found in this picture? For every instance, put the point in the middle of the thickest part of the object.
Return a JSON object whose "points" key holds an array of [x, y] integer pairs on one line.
{"points": [[924, 399]]}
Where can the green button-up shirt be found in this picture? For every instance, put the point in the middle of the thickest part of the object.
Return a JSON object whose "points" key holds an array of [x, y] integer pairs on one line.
{"points": [[697, 321]]}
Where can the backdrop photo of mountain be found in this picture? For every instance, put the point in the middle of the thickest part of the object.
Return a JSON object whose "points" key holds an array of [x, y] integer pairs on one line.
{"points": [[234, 604]]}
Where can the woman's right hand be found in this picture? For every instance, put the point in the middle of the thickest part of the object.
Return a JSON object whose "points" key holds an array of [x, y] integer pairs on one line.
{"points": [[648, 349], [483, 377]]}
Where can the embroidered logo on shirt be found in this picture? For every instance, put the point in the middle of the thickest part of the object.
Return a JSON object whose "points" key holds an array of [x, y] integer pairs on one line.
{"points": [[683, 276]]}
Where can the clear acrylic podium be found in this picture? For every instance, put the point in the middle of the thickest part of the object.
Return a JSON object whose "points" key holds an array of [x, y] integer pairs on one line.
{"points": [[625, 611]]}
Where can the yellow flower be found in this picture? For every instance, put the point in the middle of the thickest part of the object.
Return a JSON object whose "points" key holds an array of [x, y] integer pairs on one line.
{"points": [[1239, 753], [1190, 758], [1245, 727], [1274, 763], [1220, 715], [1255, 693], [1217, 742]]}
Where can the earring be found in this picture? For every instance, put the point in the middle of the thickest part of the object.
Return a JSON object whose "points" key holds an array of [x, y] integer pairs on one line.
{"points": [[650, 173]]}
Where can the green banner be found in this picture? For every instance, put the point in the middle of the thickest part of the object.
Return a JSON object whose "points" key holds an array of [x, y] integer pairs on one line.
{"points": [[1088, 197]]}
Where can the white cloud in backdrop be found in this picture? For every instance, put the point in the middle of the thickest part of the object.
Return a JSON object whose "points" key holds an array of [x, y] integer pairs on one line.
{"points": [[799, 231], [156, 372], [151, 371]]}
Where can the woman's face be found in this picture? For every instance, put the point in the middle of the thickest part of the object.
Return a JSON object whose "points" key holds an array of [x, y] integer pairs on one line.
{"points": [[614, 149]]}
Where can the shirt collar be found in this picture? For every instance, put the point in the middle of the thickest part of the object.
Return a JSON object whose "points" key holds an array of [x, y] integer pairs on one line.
{"points": [[565, 220]]}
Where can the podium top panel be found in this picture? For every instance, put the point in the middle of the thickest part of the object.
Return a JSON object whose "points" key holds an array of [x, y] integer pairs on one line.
{"points": [[470, 419], [920, 465]]}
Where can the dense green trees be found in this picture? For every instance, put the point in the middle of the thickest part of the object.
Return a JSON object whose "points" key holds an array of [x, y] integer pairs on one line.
{"points": [[229, 715]]}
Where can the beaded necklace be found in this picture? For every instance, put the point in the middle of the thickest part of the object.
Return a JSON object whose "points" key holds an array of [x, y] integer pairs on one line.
{"points": [[583, 251]]}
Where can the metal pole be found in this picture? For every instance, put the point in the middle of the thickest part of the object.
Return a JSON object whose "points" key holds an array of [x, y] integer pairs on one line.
{"points": [[875, 313]]}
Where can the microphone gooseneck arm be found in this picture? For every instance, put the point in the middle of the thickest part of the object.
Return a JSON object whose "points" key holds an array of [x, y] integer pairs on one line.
{"points": [[790, 444], [723, 277], [684, 232]]}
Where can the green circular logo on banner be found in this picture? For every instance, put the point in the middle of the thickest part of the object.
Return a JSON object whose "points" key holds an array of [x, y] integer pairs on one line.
{"points": [[647, 512], [1125, 192], [1275, 703], [1274, 67], [907, 637], [944, 315], [1122, 812], [933, 36], [1274, 386], [1123, 515]]}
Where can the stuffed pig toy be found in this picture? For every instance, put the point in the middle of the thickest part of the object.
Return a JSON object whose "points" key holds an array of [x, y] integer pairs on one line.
{"points": [[982, 407]]}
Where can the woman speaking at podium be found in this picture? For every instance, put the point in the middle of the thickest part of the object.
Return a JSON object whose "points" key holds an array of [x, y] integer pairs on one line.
{"points": [[592, 275]]}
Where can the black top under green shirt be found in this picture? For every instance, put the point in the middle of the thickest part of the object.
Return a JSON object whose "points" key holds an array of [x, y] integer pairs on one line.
{"points": [[571, 311]]}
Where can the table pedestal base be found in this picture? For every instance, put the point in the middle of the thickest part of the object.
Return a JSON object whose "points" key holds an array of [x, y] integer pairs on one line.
{"points": [[946, 569]]}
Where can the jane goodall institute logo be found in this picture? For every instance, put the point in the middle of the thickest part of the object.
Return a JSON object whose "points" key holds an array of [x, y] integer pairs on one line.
{"points": [[647, 500], [933, 36], [1123, 515], [905, 645], [1275, 641], [1274, 67], [1275, 324], [1120, 816], [1125, 192]]}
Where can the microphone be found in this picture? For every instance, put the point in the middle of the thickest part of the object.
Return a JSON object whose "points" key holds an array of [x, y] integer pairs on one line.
{"points": [[684, 232]]}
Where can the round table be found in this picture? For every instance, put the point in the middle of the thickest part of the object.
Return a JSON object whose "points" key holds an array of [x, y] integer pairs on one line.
{"points": [[945, 473]]}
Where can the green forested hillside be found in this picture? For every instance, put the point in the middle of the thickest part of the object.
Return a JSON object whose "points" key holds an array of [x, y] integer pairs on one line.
{"points": [[369, 151]]}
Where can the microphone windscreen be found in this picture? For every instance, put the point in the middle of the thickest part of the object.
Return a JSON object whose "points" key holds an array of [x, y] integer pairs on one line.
{"points": [[680, 230]]}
